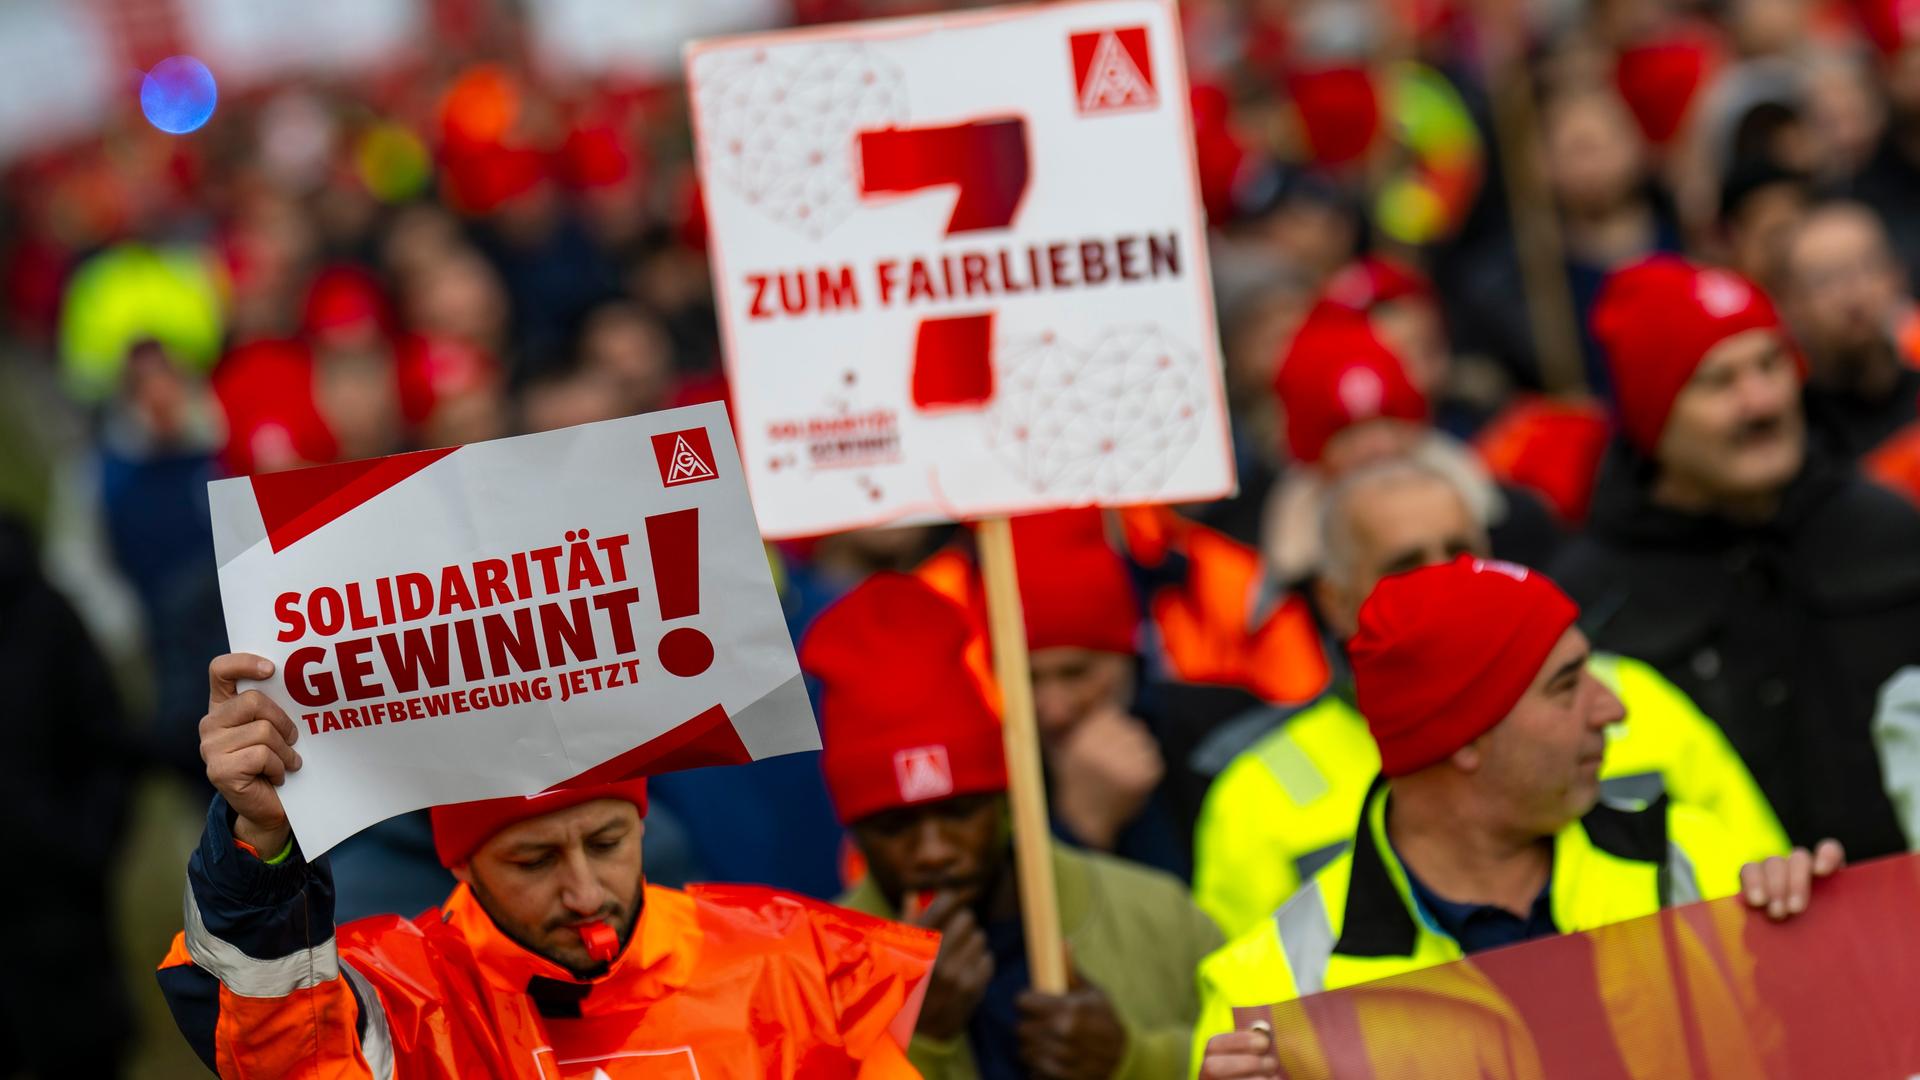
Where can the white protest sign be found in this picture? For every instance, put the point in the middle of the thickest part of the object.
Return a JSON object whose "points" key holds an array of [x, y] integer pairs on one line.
{"points": [[494, 619], [961, 265]]}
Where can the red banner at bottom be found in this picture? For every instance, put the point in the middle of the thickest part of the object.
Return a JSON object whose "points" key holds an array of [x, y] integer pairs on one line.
{"points": [[1707, 990]]}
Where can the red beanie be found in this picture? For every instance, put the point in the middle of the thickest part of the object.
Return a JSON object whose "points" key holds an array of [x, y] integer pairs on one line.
{"points": [[1889, 24], [434, 369], [1074, 586], [273, 422], [1336, 374], [903, 719], [1372, 280], [1659, 79], [1655, 320], [1339, 111], [459, 829], [342, 298], [1445, 652]]}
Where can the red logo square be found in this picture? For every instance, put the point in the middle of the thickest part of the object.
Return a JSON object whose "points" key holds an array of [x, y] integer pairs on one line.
{"points": [[684, 457], [1112, 69]]}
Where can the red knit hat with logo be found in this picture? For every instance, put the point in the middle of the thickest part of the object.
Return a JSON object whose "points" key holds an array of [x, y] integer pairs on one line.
{"points": [[459, 829], [1445, 652], [1656, 320], [903, 718], [1074, 586], [1336, 374]]}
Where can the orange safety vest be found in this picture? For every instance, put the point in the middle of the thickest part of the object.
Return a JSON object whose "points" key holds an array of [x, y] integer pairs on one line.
{"points": [[1896, 463], [1906, 336], [1550, 447], [1210, 631], [719, 981], [1205, 622]]}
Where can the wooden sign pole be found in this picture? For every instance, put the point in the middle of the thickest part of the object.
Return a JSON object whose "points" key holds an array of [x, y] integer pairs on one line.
{"points": [[1536, 223], [1026, 786]]}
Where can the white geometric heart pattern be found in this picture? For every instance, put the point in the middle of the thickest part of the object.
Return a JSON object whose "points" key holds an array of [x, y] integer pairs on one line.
{"points": [[780, 132], [1108, 422]]}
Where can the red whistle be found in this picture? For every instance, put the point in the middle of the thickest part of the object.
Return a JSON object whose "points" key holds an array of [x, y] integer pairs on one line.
{"points": [[601, 942]]}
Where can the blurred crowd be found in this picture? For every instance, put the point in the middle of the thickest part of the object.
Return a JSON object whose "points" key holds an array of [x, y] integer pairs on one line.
{"points": [[1418, 210]]}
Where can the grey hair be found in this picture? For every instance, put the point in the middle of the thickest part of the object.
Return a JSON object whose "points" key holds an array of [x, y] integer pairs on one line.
{"points": [[1336, 525]]}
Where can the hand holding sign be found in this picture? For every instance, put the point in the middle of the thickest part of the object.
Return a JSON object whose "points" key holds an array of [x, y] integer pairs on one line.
{"points": [[571, 607], [247, 742]]}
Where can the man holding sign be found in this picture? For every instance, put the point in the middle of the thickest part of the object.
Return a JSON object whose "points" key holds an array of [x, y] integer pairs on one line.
{"points": [[515, 633], [949, 290], [552, 957]]}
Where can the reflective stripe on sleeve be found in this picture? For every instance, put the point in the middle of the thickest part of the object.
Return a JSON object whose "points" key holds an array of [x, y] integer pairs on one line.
{"points": [[248, 976], [376, 1044], [1306, 937]]}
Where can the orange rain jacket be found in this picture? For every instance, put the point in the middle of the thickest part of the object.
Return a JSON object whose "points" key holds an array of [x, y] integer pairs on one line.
{"points": [[717, 982]]}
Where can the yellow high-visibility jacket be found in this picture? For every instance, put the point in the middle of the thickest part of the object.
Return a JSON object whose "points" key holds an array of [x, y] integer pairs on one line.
{"points": [[1357, 920], [1287, 805]]}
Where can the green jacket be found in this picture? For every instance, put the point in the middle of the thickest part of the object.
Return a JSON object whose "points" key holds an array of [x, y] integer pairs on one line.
{"points": [[1287, 805], [1134, 933]]}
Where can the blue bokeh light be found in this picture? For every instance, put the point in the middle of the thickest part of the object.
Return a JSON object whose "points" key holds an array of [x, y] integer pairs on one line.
{"points": [[178, 95]]}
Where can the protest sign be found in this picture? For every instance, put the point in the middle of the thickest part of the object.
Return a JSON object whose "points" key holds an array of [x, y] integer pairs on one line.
{"points": [[961, 265], [1705, 990], [495, 619]]}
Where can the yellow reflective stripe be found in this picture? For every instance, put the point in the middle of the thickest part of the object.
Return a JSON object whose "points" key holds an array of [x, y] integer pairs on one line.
{"points": [[1292, 768]]}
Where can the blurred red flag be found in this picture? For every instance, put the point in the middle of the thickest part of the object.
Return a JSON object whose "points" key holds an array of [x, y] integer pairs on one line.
{"points": [[1706, 990]]}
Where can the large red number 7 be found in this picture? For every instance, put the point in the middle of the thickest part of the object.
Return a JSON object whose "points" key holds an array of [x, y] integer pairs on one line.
{"points": [[987, 161]]}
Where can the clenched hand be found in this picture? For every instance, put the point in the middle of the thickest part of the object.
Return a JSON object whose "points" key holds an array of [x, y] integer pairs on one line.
{"points": [[247, 742], [1071, 1036]]}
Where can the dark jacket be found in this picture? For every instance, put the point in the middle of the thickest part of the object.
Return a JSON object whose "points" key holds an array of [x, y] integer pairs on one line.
{"points": [[1782, 633], [66, 770], [1851, 426]]}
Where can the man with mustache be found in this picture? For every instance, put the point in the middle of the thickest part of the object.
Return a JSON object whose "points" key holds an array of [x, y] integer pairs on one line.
{"points": [[1846, 298], [1768, 581], [552, 957]]}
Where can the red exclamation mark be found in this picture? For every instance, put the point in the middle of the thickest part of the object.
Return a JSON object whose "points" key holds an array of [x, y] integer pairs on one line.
{"points": [[673, 545]]}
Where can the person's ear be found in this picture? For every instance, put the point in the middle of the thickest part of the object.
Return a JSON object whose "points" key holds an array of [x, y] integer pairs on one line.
{"points": [[1468, 758], [1331, 599], [464, 873]]}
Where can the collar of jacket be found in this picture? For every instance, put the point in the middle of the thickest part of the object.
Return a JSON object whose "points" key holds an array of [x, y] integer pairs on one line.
{"points": [[1072, 889], [658, 959], [1624, 510], [1382, 915]]}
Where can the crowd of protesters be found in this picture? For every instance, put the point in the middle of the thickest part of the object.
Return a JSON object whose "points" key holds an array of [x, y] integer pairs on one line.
{"points": [[1617, 291]]}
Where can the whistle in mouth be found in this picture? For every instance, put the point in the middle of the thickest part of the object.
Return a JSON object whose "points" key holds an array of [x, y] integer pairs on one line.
{"points": [[601, 942]]}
